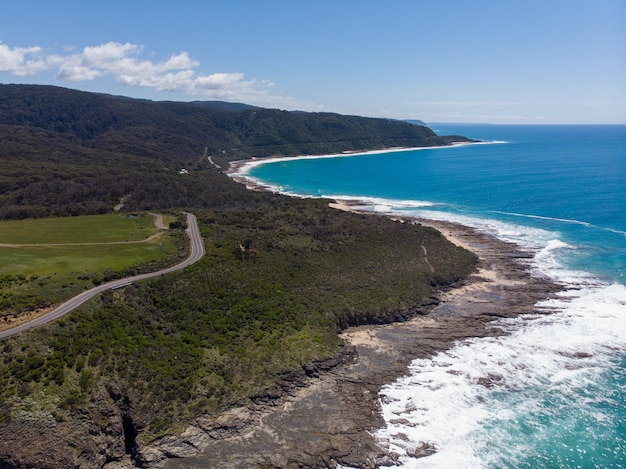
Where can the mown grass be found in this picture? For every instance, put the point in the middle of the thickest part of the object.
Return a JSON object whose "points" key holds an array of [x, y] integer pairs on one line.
{"points": [[64, 260], [83, 229], [33, 277]]}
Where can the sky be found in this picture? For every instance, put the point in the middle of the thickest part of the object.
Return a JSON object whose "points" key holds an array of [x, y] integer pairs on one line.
{"points": [[483, 61]]}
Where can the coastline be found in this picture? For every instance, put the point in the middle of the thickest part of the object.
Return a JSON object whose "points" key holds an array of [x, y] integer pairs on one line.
{"points": [[328, 415], [237, 169]]}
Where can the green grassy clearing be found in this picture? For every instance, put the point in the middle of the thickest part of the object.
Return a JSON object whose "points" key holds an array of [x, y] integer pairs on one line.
{"points": [[37, 276], [64, 260], [83, 229]]}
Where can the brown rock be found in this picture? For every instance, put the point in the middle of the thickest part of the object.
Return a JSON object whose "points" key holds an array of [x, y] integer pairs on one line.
{"points": [[423, 450]]}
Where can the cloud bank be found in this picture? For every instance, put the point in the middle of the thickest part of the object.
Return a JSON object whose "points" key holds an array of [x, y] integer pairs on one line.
{"points": [[124, 63]]}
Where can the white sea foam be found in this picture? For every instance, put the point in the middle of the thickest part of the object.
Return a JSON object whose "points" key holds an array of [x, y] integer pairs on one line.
{"points": [[539, 217], [469, 399], [466, 401], [561, 220], [379, 204]]}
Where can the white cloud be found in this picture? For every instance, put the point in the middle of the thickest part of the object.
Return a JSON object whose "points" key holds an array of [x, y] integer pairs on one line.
{"points": [[124, 63], [21, 61], [107, 54], [121, 61], [218, 81]]}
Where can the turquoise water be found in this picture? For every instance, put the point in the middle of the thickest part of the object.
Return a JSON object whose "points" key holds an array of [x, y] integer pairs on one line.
{"points": [[560, 192]]}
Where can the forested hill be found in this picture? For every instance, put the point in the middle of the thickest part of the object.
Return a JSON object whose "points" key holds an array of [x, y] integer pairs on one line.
{"points": [[166, 129], [67, 152]]}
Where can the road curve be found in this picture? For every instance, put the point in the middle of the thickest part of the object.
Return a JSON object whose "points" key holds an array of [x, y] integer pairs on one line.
{"points": [[196, 253]]}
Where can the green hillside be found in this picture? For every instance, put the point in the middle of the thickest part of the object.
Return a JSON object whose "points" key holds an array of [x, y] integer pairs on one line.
{"points": [[138, 363], [66, 152]]}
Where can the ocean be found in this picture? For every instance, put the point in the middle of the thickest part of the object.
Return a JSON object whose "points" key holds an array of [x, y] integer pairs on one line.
{"points": [[560, 193]]}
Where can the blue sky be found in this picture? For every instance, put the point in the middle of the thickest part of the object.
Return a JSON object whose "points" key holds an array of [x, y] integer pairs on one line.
{"points": [[545, 61]]}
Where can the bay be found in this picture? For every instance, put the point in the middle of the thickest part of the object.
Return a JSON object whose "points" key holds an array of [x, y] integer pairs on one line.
{"points": [[557, 191]]}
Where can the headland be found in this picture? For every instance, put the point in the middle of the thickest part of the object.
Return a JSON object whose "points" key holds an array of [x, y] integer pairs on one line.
{"points": [[327, 415]]}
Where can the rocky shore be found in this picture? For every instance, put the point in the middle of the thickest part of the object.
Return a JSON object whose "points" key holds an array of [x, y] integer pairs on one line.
{"points": [[325, 415]]}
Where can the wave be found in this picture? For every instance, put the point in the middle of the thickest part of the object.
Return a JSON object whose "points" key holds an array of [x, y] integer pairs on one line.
{"points": [[492, 142], [381, 204], [550, 370], [560, 220], [531, 386], [540, 217]]}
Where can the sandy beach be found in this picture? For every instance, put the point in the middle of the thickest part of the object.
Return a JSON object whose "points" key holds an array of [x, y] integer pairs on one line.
{"points": [[237, 170], [326, 415]]}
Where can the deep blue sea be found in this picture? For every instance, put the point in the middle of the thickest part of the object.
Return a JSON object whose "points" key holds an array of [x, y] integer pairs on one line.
{"points": [[559, 192]]}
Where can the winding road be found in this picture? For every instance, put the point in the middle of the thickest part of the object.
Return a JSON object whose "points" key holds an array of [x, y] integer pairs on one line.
{"points": [[197, 252]]}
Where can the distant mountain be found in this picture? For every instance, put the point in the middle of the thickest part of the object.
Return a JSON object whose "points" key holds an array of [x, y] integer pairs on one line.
{"points": [[179, 131], [417, 122]]}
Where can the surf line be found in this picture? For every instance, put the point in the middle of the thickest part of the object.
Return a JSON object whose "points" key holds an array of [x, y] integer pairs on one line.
{"points": [[561, 220]]}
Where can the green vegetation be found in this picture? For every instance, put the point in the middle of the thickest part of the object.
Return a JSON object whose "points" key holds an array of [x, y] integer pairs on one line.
{"points": [[61, 260], [66, 152], [85, 229], [281, 276], [33, 277], [221, 331]]}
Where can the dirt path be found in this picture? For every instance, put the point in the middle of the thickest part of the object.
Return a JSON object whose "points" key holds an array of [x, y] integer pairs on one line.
{"points": [[158, 221], [432, 269]]}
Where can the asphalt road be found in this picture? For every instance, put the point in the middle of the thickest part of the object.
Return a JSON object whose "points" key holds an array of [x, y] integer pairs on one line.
{"points": [[197, 252]]}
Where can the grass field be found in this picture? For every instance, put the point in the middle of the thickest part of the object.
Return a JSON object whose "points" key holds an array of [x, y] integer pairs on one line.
{"points": [[63, 260], [37, 276], [83, 229]]}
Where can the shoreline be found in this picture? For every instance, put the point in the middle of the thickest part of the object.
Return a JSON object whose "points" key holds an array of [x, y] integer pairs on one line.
{"points": [[236, 169], [328, 416]]}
